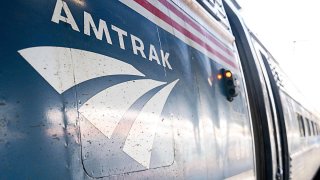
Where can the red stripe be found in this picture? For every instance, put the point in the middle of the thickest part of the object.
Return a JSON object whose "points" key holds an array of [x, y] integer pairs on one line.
{"points": [[195, 26], [184, 31]]}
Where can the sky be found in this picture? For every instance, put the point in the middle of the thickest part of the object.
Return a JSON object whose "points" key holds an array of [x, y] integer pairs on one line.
{"points": [[290, 30]]}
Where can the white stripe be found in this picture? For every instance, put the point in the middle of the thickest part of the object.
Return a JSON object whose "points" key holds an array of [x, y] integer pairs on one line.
{"points": [[141, 10], [140, 139], [106, 109], [63, 67], [191, 29], [195, 10], [188, 7]]}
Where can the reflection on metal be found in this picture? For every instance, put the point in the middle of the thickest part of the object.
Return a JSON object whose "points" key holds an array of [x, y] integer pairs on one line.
{"points": [[80, 2]]}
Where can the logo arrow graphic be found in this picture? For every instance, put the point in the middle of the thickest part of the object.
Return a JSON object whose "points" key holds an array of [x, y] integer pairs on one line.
{"points": [[64, 68]]}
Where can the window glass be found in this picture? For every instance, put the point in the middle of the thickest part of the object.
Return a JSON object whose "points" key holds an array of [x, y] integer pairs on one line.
{"points": [[308, 127], [313, 129], [301, 125]]}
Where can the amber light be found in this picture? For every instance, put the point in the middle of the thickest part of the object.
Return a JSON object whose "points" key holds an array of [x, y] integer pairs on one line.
{"points": [[219, 76], [228, 74]]}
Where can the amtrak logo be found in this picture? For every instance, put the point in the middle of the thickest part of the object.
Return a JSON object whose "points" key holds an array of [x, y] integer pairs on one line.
{"points": [[120, 136]]}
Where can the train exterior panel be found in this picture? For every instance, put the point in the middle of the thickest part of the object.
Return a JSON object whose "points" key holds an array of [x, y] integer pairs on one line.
{"points": [[95, 89], [144, 89]]}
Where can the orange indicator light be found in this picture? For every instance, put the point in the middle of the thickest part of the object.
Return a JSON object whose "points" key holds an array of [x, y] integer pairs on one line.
{"points": [[219, 76], [228, 74]]}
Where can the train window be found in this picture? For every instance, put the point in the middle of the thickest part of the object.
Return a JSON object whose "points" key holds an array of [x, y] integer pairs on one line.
{"points": [[313, 129], [308, 126], [301, 125]]}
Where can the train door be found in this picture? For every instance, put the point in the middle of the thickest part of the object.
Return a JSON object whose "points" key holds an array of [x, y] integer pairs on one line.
{"points": [[270, 76], [264, 104]]}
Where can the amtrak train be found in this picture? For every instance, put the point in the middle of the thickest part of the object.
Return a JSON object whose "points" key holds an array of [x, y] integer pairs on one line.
{"points": [[146, 89]]}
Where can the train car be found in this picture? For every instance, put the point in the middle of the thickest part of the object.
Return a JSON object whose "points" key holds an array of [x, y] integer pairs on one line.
{"points": [[145, 89], [289, 148], [300, 119]]}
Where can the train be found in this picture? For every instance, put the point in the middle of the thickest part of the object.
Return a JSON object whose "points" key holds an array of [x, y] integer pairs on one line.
{"points": [[146, 89]]}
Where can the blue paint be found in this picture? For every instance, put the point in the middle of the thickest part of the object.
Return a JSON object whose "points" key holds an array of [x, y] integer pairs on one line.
{"points": [[34, 145]]}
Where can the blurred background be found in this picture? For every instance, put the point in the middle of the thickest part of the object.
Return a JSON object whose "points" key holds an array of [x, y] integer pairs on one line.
{"points": [[290, 30]]}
